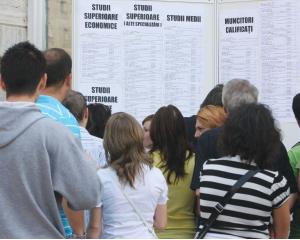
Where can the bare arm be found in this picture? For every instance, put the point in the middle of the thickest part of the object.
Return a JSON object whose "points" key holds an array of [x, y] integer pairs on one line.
{"points": [[292, 200], [160, 217], [281, 221], [94, 226], [197, 192], [197, 204], [76, 219], [294, 196]]}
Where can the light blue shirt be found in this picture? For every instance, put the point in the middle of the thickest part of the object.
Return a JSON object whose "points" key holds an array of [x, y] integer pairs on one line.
{"points": [[54, 109]]}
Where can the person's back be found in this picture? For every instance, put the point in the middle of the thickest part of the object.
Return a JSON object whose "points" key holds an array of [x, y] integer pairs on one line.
{"points": [[247, 213], [75, 102], [55, 110], [33, 178], [172, 154], [59, 82], [32, 212], [93, 146], [235, 93], [181, 217], [294, 158], [32, 171], [149, 190], [134, 193]]}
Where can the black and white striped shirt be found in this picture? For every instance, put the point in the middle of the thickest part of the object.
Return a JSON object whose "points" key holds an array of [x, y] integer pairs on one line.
{"points": [[248, 213]]}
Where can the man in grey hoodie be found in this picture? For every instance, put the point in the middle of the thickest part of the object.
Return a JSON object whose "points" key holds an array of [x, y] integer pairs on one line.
{"points": [[41, 162]]}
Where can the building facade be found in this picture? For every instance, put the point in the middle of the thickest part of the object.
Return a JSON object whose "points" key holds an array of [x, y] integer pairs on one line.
{"points": [[46, 23]]}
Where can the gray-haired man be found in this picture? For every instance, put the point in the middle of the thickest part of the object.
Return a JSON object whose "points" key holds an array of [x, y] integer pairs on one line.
{"points": [[235, 93]]}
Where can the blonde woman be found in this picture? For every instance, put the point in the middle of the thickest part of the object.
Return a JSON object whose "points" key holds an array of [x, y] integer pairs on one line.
{"points": [[134, 193], [209, 117]]}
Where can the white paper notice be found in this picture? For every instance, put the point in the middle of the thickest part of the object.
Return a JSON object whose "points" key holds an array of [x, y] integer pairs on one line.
{"points": [[268, 56], [239, 51], [137, 56], [280, 46]]}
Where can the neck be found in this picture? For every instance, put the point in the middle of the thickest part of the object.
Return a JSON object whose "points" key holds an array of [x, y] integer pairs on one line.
{"points": [[54, 92], [83, 123], [22, 98]]}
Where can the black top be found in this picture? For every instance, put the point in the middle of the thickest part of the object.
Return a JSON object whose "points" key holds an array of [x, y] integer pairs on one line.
{"points": [[190, 123], [207, 148]]}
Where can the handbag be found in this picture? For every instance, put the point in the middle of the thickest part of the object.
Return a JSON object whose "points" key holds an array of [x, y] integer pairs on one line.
{"points": [[149, 228], [218, 209]]}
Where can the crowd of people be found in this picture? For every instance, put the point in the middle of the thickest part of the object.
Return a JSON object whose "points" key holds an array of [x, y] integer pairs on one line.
{"points": [[73, 170]]}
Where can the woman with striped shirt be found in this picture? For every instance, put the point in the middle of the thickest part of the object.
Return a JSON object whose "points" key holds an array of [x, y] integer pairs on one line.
{"points": [[250, 140]]}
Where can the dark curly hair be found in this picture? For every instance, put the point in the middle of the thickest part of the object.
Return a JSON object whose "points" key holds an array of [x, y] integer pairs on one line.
{"points": [[250, 132]]}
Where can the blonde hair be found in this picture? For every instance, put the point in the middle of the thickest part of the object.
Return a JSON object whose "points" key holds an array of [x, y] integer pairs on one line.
{"points": [[123, 144], [211, 116]]}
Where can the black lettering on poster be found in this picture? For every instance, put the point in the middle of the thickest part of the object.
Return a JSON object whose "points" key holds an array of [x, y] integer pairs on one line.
{"points": [[142, 17], [243, 25], [101, 17]]}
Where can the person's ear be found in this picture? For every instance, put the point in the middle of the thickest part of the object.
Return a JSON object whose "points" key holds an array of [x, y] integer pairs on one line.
{"points": [[69, 81], [2, 84], [43, 82], [225, 110], [86, 113]]}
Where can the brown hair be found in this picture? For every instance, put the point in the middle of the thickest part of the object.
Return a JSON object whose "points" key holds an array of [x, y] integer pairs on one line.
{"points": [[169, 136], [123, 144], [148, 118], [211, 116]]}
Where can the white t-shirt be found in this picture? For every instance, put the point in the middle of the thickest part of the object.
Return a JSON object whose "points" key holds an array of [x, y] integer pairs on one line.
{"points": [[93, 146], [119, 219]]}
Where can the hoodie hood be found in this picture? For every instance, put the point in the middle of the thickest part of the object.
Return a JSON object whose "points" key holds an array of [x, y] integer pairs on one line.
{"points": [[15, 118]]}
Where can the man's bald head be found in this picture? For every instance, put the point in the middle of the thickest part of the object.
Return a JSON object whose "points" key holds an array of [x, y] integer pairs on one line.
{"points": [[59, 66]]}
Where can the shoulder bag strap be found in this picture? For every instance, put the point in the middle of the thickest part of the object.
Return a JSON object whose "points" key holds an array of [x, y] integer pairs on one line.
{"points": [[218, 209], [150, 228]]}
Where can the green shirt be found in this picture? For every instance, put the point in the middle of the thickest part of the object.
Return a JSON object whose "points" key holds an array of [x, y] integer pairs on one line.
{"points": [[294, 157], [181, 217]]}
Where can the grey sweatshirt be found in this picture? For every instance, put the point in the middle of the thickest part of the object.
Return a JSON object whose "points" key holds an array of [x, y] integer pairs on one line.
{"points": [[40, 161]]}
